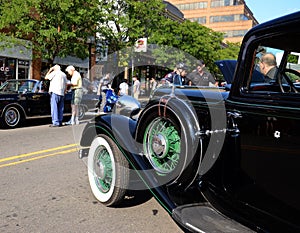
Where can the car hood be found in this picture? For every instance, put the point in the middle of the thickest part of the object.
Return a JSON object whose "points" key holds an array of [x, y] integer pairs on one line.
{"points": [[227, 68]]}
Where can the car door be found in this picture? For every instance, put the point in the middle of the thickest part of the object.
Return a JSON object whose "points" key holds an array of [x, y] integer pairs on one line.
{"points": [[264, 174], [38, 101]]}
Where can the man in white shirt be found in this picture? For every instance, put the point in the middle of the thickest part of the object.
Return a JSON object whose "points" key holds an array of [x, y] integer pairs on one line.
{"points": [[136, 87], [58, 84], [123, 88]]}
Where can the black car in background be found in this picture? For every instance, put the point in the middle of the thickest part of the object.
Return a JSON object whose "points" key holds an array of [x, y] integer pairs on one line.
{"points": [[218, 160], [28, 98]]}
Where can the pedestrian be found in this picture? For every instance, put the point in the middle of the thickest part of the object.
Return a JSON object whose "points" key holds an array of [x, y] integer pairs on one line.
{"points": [[111, 99], [103, 86], [201, 77], [57, 89], [178, 75], [77, 93], [153, 85], [136, 87], [123, 88], [169, 76]]}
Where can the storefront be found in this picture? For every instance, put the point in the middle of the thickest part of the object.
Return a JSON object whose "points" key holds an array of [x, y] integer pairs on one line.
{"points": [[15, 62], [82, 66]]}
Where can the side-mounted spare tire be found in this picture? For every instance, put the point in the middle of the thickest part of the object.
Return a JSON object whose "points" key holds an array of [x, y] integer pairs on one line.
{"points": [[167, 131]]}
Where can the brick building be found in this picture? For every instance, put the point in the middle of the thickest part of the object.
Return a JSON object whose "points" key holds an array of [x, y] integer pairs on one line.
{"points": [[232, 17]]}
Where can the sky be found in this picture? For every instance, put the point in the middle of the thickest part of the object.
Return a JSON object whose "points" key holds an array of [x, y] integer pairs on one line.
{"points": [[264, 10]]}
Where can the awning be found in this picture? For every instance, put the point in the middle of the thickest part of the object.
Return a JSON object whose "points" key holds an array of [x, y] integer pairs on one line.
{"points": [[74, 61], [17, 51]]}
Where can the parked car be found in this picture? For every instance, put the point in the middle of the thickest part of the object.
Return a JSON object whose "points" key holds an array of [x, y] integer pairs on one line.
{"points": [[28, 98], [218, 160]]}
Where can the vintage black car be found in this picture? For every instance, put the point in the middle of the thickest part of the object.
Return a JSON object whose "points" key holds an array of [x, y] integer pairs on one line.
{"points": [[218, 160], [28, 98]]}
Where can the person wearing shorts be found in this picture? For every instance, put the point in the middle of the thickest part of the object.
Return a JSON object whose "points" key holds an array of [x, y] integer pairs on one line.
{"points": [[77, 92]]}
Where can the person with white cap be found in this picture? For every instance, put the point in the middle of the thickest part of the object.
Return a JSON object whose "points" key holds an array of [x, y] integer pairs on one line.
{"points": [[57, 89], [77, 92]]}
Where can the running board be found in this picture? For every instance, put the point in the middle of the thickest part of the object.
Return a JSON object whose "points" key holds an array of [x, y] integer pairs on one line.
{"points": [[203, 218]]}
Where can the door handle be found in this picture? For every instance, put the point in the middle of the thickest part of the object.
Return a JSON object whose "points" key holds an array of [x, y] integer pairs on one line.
{"points": [[232, 126], [234, 115]]}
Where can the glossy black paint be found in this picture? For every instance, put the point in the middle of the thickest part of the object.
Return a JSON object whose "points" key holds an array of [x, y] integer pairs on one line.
{"points": [[252, 151], [31, 102]]}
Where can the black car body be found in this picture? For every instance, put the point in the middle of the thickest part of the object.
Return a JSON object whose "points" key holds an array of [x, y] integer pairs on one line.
{"points": [[28, 98], [218, 160]]}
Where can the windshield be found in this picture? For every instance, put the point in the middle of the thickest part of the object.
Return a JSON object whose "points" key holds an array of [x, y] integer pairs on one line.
{"points": [[19, 86]]}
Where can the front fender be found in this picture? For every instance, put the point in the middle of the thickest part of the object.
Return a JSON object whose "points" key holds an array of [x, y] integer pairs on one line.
{"points": [[120, 128]]}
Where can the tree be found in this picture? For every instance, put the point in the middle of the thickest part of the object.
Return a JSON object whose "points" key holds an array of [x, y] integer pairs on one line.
{"points": [[230, 51], [55, 28], [190, 38], [124, 21]]}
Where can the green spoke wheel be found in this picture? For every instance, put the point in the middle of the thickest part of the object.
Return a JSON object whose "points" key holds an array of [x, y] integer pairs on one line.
{"points": [[169, 144], [108, 171], [103, 169], [162, 145]]}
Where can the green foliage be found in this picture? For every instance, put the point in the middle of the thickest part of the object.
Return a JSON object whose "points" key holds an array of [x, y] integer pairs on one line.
{"points": [[230, 51], [292, 58], [126, 21], [292, 76], [55, 28], [190, 38], [61, 28]]}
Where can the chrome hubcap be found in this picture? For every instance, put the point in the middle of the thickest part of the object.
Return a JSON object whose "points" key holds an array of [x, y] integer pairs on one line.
{"points": [[159, 146]]}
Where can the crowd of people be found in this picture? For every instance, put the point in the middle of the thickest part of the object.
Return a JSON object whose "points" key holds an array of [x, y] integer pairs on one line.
{"points": [[179, 76], [197, 77], [59, 84]]}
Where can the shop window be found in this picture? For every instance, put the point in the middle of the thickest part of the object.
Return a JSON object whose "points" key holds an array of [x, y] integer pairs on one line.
{"points": [[7, 69], [23, 69]]}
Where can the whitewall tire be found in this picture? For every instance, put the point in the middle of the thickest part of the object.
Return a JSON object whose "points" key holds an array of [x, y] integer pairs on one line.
{"points": [[108, 171]]}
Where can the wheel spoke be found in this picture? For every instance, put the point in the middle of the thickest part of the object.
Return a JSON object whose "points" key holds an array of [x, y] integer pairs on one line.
{"points": [[103, 170], [162, 145], [12, 117]]}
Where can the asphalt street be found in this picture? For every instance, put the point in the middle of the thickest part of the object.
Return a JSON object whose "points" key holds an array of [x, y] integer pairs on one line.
{"points": [[44, 188]]}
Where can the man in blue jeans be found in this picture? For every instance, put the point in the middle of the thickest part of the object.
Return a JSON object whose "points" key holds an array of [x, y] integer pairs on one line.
{"points": [[58, 84]]}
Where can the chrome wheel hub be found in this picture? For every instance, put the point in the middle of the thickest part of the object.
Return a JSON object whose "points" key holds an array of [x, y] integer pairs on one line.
{"points": [[159, 146], [100, 170]]}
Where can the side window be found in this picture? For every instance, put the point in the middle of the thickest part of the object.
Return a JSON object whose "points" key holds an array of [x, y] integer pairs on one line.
{"points": [[293, 68], [45, 86], [276, 69]]}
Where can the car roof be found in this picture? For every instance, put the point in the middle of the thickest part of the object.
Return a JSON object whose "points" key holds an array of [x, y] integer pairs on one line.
{"points": [[285, 24]]}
